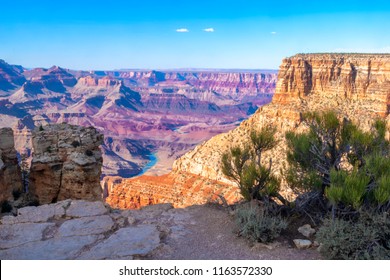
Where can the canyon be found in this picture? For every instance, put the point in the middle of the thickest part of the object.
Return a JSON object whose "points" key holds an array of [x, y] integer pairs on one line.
{"points": [[356, 86], [177, 208], [147, 116]]}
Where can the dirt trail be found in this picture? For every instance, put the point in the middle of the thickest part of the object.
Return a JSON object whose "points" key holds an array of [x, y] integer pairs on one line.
{"points": [[207, 232]]}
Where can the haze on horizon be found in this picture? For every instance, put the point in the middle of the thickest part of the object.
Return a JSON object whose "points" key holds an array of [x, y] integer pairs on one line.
{"points": [[184, 34]]}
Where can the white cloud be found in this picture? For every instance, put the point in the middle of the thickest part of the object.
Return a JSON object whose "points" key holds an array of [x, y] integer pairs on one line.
{"points": [[273, 32], [210, 29], [182, 30]]}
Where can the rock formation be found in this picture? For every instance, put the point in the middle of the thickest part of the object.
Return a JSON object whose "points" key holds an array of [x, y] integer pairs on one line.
{"points": [[10, 175], [355, 85], [66, 163]]}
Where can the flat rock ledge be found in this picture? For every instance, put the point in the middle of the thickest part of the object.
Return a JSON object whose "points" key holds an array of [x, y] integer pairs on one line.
{"points": [[77, 229]]}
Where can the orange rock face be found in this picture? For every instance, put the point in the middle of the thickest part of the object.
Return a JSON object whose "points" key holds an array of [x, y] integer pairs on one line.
{"points": [[359, 77], [179, 189]]}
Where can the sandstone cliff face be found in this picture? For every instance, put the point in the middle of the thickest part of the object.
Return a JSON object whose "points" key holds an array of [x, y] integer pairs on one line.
{"points": [[10, 175], [181, 190], [66, 163], [356, 86], [363, 79]]}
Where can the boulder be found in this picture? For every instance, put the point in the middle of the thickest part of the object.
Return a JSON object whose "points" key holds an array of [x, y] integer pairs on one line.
{"points": [[302, 243], [306, 230], [66, 163]]}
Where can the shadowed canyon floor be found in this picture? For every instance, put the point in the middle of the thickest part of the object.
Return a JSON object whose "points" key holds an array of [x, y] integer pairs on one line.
{"points": [[91, 230]]}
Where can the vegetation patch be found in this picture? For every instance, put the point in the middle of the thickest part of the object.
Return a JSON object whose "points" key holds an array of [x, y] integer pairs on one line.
{"points": [[366, 238], [257, 224]]}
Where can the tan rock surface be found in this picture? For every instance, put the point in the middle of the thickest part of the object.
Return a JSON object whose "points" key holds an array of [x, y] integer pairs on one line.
{"points": [[10, 175], [66, 163]]}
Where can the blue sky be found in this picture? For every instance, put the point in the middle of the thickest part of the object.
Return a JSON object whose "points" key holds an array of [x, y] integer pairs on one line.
{"points": [[246, 34]]}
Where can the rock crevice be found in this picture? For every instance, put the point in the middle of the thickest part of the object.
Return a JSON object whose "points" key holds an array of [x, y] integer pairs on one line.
{"points": [[10, 174]]}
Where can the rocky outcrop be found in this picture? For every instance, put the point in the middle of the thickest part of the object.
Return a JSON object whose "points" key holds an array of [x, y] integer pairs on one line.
{"points": [[10, 175], [66, 163], [356, 86], [94, 82]]}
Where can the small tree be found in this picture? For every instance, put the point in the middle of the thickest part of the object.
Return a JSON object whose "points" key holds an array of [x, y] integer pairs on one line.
{"points": [[348, 166], [243, 165]]}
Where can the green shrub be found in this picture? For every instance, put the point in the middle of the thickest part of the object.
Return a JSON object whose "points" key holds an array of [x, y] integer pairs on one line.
{"points": [[382, 191], [256, 224], [243, 165], [366, 238], [346, 165]]}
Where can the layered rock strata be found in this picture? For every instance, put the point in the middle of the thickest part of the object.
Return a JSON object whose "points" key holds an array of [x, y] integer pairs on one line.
{"points": [[180, 190], [357, 86], [66, 163], [10, 175]]}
